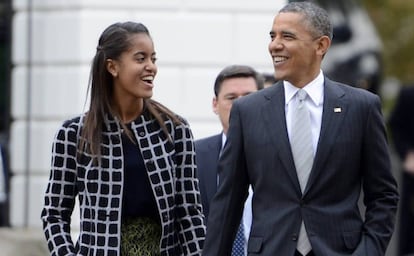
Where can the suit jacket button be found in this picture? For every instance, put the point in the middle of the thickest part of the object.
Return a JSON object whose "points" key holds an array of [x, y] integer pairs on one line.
{"points": [[165, 217], [295, 237], [151, 165], [158, 190]]}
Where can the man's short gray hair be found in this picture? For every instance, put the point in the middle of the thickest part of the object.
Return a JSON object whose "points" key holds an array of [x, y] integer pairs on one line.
{"points": [[315, 17]]}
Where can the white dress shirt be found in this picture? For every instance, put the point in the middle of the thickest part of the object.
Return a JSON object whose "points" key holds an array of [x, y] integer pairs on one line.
{"points": [[314, 102], [247, 210], [2, 180]]}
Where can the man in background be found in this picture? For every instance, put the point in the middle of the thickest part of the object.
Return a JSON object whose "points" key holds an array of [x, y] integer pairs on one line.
{"points": [[401, 124], [231, 83], [269, 79]]}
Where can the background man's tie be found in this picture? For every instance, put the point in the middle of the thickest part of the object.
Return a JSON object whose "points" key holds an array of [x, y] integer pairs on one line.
{"points": [[302, 150], [239, 242]]}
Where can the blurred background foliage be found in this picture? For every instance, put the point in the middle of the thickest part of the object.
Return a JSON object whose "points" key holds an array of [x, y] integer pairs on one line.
{"points": [[394, 21]]}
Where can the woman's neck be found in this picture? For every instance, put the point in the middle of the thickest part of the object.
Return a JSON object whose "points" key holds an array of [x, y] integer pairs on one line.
{"points": [[129, 111]]}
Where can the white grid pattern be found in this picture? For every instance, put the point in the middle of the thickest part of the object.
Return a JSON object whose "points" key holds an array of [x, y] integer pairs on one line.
{"points": [[171, 168]]}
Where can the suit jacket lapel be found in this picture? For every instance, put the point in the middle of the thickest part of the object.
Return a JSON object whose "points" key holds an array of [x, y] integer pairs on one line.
{"points": [[334, 110], [211, 175], [275, 121]]}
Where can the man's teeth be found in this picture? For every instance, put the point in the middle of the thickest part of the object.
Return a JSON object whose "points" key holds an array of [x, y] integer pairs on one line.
{"points": [[279, 59]]}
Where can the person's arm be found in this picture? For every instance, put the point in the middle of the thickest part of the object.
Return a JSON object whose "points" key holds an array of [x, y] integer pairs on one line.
{"points": [[400, 124], [60, 193], [226, 208], [409, 162], [189, 212], [379, 186]]}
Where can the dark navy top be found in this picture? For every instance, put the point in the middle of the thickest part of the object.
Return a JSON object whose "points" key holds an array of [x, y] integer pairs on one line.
{"points": [[138, 198]]}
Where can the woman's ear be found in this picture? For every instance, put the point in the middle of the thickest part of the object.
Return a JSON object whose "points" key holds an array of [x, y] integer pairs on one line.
{"points": [[112, 67]]}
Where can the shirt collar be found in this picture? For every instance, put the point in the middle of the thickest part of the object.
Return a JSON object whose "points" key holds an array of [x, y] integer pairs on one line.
{"points": [[223, 139], [314, 89]]}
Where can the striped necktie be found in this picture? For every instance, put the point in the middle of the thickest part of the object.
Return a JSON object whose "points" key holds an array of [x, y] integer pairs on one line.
{"points": [[302, 150]]}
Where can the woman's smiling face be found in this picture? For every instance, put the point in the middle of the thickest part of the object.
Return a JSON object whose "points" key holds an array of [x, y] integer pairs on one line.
{"points": [[134, 72]]}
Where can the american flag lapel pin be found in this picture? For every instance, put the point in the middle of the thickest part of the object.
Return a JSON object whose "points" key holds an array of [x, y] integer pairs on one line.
{"points": [[337, 110]]}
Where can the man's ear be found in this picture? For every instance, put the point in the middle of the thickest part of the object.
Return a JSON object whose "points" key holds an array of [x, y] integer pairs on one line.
{"points": [[214, 104], [112, 67], [323, 45]]}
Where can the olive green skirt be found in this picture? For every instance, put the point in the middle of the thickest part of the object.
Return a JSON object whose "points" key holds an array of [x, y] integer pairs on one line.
{"points": [[140, 237]]}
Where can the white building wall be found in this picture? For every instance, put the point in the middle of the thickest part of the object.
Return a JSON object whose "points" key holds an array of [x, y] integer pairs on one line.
{"points": [[194, 40]]}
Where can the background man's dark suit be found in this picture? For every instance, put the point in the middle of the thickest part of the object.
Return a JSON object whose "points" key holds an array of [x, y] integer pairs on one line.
{"points": [[209, 148], [402, 129], [352, 152]]}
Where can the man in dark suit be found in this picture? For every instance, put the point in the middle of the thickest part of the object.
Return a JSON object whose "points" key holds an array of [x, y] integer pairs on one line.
{"points": [[402, 130], [305, 205], [231, 83]]}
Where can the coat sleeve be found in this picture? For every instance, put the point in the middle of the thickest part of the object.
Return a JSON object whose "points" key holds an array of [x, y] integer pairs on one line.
{"points": [[379, 186], [190, 218], [401, 123], [60, 193], [226, 208]]}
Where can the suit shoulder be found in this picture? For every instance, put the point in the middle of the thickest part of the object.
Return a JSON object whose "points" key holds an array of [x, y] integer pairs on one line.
{"points": [[208, 140], [203, 143], [68, 130], [406, 95], [356, 94], [72, 123], [259, 97]]}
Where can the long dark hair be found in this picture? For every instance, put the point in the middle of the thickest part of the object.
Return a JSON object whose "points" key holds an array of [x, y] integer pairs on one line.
{"points": [[113, 41]]}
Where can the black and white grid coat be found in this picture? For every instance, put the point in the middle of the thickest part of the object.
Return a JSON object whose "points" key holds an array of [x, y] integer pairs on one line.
{"points": [[172, 173]]}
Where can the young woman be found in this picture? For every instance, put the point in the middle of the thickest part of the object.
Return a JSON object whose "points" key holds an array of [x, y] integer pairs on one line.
{"points": [[129, 160]]}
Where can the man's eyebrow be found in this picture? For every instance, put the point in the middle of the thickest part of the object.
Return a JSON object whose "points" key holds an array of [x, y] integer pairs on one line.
{"points": [[284, 32], [289, 33]]}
